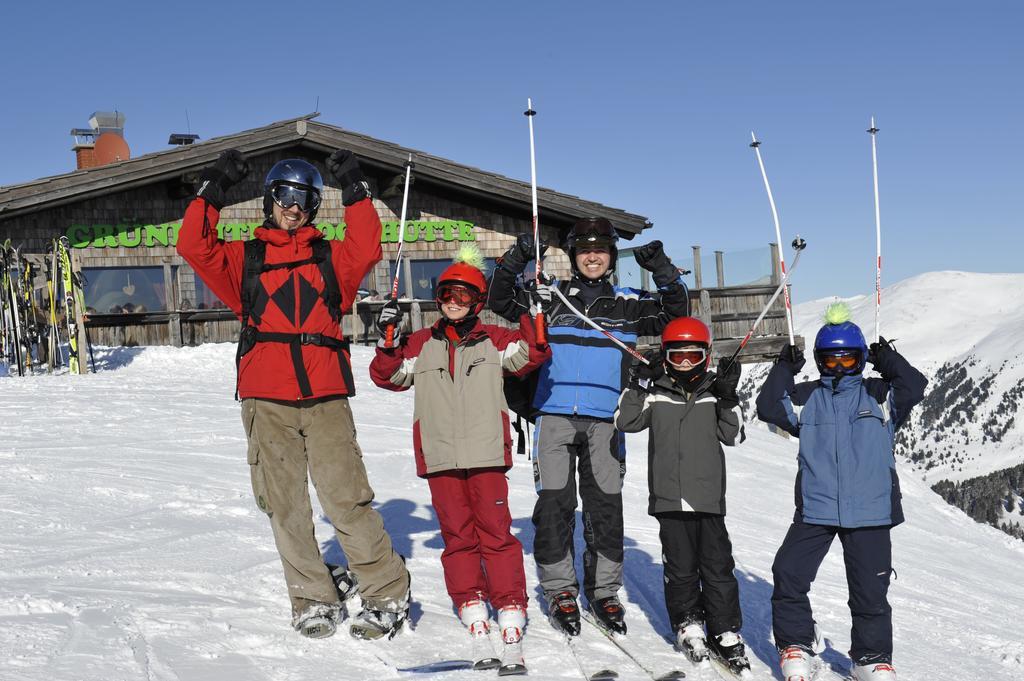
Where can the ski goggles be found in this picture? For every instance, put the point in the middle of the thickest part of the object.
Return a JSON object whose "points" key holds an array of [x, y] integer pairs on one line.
{"points": [[286, 196], [677, 357], [458, 294], [844, 360]]}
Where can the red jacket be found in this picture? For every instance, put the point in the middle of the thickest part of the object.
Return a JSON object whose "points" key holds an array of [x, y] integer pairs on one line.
{"points": [[294, 304], [460, 418]]}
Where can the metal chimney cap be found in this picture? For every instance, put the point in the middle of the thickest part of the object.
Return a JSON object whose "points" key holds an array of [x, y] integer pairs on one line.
{"points": [[107, 120]]}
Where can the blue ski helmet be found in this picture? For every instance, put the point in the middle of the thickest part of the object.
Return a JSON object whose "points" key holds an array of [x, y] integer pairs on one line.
{"points": [[843, 339], [293, 182]]}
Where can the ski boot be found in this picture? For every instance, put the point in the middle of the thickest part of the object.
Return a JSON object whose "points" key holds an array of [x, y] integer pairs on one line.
{"points": [[473, 615], [610, 614], [564, 613], [797, 664], [381, 620], [344, 581], [318, 620], [878, 671], [690, 641], [512, 622], [729, 649]]}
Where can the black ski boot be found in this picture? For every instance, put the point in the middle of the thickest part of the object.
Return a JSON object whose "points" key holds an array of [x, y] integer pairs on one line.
{"points": [[690, 640], [610, 614], [564, 613], [729, 649]]}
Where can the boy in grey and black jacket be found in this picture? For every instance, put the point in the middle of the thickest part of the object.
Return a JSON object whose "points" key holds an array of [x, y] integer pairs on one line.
{"points": [[691, 412]]}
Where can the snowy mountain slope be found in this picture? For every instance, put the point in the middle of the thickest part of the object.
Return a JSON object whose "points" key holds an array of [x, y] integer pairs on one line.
{"points": [[963, 331], [130, 547]]}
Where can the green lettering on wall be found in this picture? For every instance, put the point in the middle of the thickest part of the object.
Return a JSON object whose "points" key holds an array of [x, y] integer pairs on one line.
{"points": [[166, 234], [389, 232], [103, 236], [79, 235], [155, 235], [129, 236]]}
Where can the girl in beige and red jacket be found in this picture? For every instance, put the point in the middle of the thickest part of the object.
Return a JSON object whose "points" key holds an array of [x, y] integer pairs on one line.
{"points": [[463, 445]]}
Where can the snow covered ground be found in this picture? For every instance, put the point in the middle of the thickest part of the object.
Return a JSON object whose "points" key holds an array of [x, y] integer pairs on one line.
{"points": [[130, 547]]}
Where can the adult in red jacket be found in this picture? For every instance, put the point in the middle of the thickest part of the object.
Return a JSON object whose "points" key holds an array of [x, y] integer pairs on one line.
{"points": [[289, 287]]}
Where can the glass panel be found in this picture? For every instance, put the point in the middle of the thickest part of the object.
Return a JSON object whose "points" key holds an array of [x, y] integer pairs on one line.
{"points": [[205, 298], [124, 289]]}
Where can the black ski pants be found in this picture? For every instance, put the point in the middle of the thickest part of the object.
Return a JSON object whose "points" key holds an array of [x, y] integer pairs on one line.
{"points": [[867, 552], [699, 582]]}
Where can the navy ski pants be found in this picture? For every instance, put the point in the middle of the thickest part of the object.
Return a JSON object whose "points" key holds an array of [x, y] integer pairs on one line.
{"points": [[867, 553]]}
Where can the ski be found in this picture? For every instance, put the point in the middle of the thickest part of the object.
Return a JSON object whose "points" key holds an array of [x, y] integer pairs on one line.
{"points": [[437, 667], [630, 650], [579, 655]]}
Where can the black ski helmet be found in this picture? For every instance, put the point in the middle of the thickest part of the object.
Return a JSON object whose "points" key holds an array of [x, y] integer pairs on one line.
{"points": [[593, 232], [296, 173]]}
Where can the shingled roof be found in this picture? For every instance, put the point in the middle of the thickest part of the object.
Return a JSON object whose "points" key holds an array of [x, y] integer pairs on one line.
{"points": [[555, 208]]}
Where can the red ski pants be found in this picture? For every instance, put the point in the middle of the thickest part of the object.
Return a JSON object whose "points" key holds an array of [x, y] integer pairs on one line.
{"points": [[481, 558]]}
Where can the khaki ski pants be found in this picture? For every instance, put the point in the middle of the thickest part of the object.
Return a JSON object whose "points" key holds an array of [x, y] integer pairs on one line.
{"points": [[285, 441]]}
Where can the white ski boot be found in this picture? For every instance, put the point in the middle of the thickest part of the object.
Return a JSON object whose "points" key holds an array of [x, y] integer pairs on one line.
{"points": [[512, 622], [318, 620], [691, 641], [797, 664], [473, 615], [879, 671]]}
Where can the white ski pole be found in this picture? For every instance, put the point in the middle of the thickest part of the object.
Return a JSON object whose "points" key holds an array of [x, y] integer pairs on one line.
{"points": [[389, 337], [538, 314], [778, 234], [878, 234]]}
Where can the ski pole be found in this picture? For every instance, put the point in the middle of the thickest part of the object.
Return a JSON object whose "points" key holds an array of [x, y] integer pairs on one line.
{"points": [[389, 336], [538, 313], [878, 233], [594, 325], [798, 245], [778, 235]]}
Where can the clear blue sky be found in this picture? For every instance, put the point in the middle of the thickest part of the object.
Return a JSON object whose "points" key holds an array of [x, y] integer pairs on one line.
{"points": [[642, 106]]}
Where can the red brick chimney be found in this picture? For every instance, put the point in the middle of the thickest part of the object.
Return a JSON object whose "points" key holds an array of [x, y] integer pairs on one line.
{"points": [[107, 131]]}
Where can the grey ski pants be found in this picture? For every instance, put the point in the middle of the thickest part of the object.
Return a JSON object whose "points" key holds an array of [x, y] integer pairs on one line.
{"points": [[289, 443], [562, 445]]}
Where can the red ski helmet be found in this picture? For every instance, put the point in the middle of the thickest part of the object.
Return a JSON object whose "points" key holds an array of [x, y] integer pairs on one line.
{"points": [[464, 274], [682, 332]]}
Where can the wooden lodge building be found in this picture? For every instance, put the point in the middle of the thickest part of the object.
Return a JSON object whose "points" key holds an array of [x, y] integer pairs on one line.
{"points": [[122, 218]]}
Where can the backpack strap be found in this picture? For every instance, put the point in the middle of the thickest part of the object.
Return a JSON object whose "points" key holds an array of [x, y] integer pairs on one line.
{"points": [[253, 266]]}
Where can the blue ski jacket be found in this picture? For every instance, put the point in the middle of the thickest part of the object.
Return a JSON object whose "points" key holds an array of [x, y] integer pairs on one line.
{"points": [[847, 470], [587, 371]]}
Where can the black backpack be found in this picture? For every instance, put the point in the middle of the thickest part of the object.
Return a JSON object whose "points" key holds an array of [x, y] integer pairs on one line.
{"points": [[254, 302]]}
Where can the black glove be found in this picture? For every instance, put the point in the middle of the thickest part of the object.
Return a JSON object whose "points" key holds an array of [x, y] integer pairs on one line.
{"points": [[792, 358], [542, 296], [229, 169], [390, 315], [344, 167], [521, 252], [652, 258], [880, 353], [649, 372], [727, 380]]}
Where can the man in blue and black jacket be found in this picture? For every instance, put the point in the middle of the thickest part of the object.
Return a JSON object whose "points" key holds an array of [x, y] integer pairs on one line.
{"points": [[846, 485], [577, 393]]}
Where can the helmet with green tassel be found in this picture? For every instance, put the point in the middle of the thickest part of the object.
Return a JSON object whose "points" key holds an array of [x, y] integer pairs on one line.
{"points": [[839, 347]]}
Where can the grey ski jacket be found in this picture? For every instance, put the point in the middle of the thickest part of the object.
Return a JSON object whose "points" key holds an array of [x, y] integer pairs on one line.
{"points": [[685, 460]]}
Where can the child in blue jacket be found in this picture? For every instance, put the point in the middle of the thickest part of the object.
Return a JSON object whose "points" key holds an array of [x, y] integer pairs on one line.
{"points": [[846, 485]]}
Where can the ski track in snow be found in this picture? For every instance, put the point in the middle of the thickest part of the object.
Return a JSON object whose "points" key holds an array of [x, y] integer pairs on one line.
{"points": [[132, 549]]}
